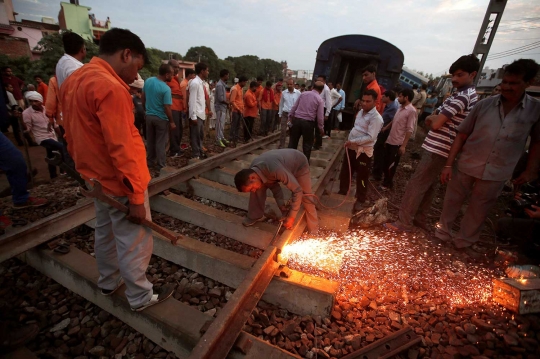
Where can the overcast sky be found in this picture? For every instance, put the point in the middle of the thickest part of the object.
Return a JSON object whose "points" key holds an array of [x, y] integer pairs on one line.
{"points": [[431, 33]]}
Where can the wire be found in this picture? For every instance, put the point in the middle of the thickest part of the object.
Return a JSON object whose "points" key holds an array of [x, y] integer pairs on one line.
{"points": [[517, 48], [532, 53], [514, 53], [348, 190]]}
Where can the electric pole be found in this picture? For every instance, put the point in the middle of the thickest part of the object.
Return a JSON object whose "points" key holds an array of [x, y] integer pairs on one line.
{"points": [[487, 32]]}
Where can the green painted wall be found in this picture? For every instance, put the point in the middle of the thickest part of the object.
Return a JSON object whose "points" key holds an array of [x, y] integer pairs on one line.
{"points": [[76, 17]]}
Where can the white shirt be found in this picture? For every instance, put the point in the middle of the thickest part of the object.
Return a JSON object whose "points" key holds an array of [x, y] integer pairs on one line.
{"points": [[364, 133], [65, 67], [197, 102], [325, 95], [11, 100], [334, 96], [287, 101]]}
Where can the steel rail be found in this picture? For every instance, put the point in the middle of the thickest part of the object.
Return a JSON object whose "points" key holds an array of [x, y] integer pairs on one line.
{"points": [[41, 231], [224, 330]]}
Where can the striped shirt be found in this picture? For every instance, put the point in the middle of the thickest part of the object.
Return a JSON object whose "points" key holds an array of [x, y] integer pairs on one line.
{"points": [[456, 108]]}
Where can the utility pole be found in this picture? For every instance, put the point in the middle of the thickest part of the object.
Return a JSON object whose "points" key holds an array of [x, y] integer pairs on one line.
{"points": [[487, 32]]}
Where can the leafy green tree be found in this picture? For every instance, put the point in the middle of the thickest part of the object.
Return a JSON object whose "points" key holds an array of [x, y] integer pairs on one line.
{"points": [[206, 55], [246, 65], [270, 69], [225, 64]]}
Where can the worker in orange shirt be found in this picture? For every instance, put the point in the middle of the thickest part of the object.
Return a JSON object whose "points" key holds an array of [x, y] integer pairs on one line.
{"points": [[42, 87], [175, 135], [260, 87], [106, 146], [369, 78], [237, 106], [250, 110], [275, 105], [266, 103]]}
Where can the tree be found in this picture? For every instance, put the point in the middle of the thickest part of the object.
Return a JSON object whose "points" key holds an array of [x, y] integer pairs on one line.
{"points": [[246, 65], [225, 64], [206, 55], [270, 69]]}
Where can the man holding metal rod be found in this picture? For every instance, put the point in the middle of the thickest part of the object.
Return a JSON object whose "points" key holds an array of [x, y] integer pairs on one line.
{"points": [[106, 146], [288, 166]]}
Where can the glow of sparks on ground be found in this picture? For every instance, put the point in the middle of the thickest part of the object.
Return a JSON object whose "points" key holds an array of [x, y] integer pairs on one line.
{"points": [[398, 267]]}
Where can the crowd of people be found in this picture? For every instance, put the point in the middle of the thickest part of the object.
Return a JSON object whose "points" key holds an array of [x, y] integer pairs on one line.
{"points": [[110, 124]]}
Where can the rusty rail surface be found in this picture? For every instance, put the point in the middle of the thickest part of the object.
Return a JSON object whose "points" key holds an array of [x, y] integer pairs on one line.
{"points": [[34, 234], [225, 329]]}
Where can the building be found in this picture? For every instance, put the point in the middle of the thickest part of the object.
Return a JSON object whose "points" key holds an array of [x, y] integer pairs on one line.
{"points": [[409, 77], [20, 38], [78, 19], [489, 78], [184, 65]]}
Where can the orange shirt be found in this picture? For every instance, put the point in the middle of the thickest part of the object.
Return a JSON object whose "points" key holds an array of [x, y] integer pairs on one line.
{"points": [[183, 93], [266, 105], [102, 137], [250, 104], [258, 91], [53, 109], [277, 98], [374, 85], [237, 98], [43, 89], [177, 103]]}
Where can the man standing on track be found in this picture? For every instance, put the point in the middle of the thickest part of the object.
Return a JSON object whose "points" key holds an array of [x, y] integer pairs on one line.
{"points": [[289, 167], [197, 109], [157, 101], [288, 99], [307, 116], [106, 146], [176, 109], [237, 104], [250, 110], [327, 100], [266, 103], [221, 105]]}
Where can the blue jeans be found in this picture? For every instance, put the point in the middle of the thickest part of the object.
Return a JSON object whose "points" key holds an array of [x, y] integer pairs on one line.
{"points": [[12, 162]]}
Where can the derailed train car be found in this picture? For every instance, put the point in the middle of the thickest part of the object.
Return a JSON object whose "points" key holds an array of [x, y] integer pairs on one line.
{"points": [[343, 58]]}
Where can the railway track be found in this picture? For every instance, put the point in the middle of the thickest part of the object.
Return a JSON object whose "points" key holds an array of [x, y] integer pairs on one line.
{"points": [[173, 325]]}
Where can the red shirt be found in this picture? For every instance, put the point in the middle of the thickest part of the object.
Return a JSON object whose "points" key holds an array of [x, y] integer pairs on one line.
{"points": [[43, 89], [17, 84]]}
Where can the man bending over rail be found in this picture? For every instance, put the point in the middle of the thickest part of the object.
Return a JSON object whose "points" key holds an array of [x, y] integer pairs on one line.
{"points": [[287, 166], [106, 145]]}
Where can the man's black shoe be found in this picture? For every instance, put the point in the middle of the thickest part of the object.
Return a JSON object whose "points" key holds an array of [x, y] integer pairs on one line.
{"points": [[422, 225], [360, 205]]}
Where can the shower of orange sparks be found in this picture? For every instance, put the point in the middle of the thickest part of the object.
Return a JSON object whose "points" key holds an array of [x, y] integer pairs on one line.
{"points": [[398, 267]]}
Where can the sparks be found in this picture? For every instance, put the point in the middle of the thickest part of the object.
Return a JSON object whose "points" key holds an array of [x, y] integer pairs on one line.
{"points": [[399, 269]]}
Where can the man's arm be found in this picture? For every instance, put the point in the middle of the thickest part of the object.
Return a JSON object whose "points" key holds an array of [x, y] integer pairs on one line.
{"points": [[116, 120], [280, 107], [289, 181], [533, 161], [27, 121], [321, 115], [446, 174], [434, 122], [168, 112], [373, 130], [234, 93], [293, 109], [327, 103], [193, 92]]}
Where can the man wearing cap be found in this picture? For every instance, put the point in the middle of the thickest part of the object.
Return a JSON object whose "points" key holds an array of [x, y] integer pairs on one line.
{"points": [[138, 108], [36, 122]]}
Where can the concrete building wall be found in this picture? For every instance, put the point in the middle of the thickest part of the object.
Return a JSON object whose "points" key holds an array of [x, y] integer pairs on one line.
{"points": [[33, 35], [75, 18], [14, 46], [6, 12]]}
